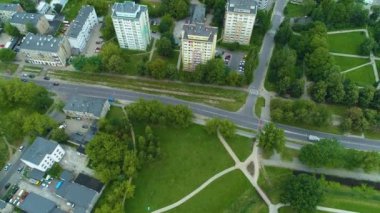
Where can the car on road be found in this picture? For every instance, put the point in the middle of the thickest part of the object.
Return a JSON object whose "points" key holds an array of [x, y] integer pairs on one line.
{"points": [[24, 75], [31, 76], [313, 138], [7, 167], [21, 148], [46, 78], [55, 84], [24, 80]]}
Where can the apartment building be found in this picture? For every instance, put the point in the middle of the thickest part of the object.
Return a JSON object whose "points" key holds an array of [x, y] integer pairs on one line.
{"points": [[263, 4], [198, 45], [21, 20], [7, 11], [79, 31], [42, 154], [47, 50], [131, 22], [239, 21]]}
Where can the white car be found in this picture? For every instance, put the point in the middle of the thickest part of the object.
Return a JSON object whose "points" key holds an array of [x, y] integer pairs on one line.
{"points": [[313, 138]]}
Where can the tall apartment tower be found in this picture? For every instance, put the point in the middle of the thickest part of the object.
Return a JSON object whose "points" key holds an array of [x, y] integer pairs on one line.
{"points": [[239, 21], [198, 45], [131, 22]]}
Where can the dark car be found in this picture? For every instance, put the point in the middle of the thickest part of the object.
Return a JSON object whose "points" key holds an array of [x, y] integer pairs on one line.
{"points": [[24, 80], [20, 169], [46, 78], [7, 185], [31, 76], [55, 84]]}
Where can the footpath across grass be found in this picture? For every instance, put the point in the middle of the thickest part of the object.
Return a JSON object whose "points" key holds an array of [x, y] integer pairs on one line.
{"points": [[229, 99], [363, 76], [189, 157], [347, 43], [242, 146], [346, 63], [337, 196], [231, 193]]}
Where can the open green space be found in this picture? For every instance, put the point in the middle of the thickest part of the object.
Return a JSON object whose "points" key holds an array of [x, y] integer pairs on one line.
{"points": [[72, 8], [230, 193], [115, 113], [229, 99], [32, 69], [170, 60], [8, 67], [188, 158], [378, 65], [359, 199], [362, 76], [346, 63], [260, 103], [242, 146], [8, 1], [294, 10], [289, 154], [347, 43]]}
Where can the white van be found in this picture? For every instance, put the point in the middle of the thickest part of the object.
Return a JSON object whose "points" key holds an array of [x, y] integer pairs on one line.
{"points": [[313, 138]]}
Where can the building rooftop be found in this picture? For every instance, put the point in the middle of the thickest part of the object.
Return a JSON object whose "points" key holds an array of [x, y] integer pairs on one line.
{"points": [[85, 104], [78, 23], [39, 149], [36, 174], [127, 10], [8, 7], [3, 204], [75, 193], [79, 210], [67, 175], [24, 18], [41, 43], [199, 14], [34, 203], [242, 6], [199, 30], [89, 182], [57, 210]]}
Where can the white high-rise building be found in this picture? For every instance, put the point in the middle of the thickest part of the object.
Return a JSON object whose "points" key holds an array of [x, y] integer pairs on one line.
{"points": [[239, 21], [131, 22]]}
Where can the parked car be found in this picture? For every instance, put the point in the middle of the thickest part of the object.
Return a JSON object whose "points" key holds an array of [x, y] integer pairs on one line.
{"points": [[31, 76], [7, 167], [20, 148], [55, 84], [7, 185], [46, 78], [20, 169]]}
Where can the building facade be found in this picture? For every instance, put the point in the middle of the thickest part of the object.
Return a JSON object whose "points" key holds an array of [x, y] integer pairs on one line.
{"points": [[198, 45], [42, 154], [80, 29], [131, 22], [7, 11], [46, 50], [263, 4], [21, 20], [239, 21]]}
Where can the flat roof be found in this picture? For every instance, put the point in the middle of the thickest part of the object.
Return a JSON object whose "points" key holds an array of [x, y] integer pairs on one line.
{"points": [[75, 193], [24, 18], [242, 6], [86, 104], [36, 152], [199, 14], [8, 7], [128, 10], [199, 30], [41, 43], [89, 182], [34, 203], [3, 204], [36, 174]]}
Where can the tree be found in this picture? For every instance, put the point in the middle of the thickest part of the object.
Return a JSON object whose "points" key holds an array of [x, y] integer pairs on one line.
{"points": [[224, 126], [318, 91], [366, 95], [130, 163], [59, 135], [164, 47], [28, 5], [112, 59], [302, 192], [351, 93], [367, 46], [7, 55], [58, 8], [157, 68], [176, 8], [308, 6], [37, 124], [271, 138], [166, 24], [284, 33], [319, 64], [219, 10], [12, 30], [358, 120], [108, 31]]}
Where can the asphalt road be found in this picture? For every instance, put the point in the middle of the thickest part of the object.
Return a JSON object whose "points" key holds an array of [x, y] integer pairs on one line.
{"points": [[5, 176]]}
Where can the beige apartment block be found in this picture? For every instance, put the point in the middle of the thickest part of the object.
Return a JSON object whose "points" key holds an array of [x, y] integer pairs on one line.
{"points": [[20, 20]]}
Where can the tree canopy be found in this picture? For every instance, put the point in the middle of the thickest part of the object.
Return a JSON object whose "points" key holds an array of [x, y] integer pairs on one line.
{"points": [[271, 139]]}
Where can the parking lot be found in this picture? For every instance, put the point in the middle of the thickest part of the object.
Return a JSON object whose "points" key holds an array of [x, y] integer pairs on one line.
{"points": [[233, 59], [4, 38], [74, 162], [95, 42]]}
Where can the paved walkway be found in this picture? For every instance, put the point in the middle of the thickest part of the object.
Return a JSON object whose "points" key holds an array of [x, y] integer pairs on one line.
{"points": [[357, 67], [153, 49], [348, 55], [326, 209]]}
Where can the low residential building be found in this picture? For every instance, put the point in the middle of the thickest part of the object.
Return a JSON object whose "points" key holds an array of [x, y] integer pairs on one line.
{"points": [[198, 45], [87, 107], [66, 175], [89, 182], [82, 197], [80, 29], [42, 154], [35, 176], [46, 50], [7, 11], [131, 23], [34, 203], [21, 21], [239, 20]]}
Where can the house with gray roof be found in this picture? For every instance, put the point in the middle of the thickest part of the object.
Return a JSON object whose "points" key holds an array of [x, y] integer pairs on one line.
{"points": [[42, 154], [66, 176], [86, 107], [81, 27], [80, 196], [7, 11], [34, 203], [36, 20], [46, 50], [35, 175]]}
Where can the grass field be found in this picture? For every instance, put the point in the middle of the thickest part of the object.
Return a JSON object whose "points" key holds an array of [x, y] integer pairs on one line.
{"points": [[337, 196], [230, 193], [229, 99], [362, 76], [32, 69], [260, 103], [242, 146], [346, 63], [7, 67], [294, 10], [188, 158], [346, 42], [172, 60]]}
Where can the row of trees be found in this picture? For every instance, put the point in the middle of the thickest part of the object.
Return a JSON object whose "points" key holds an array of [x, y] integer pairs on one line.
{"points": [[300, 111], [330, 153], [226, 127], [358, 119]]}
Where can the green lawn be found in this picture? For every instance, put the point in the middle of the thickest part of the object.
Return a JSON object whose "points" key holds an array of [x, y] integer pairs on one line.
{"points": [[362, 76], [242, 146], [172, 60], [346, 63], [260, 103], [347, 43], [288, 154], [115, 113], [32, 69], [337, 196], [8, 67], [294, 10], [72, 8], [231, 193], [229, 99], [189, 157]]}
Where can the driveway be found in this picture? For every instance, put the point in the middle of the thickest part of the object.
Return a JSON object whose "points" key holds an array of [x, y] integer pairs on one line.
{"points": [[74, 162], [91, 43], [236, 57]]}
